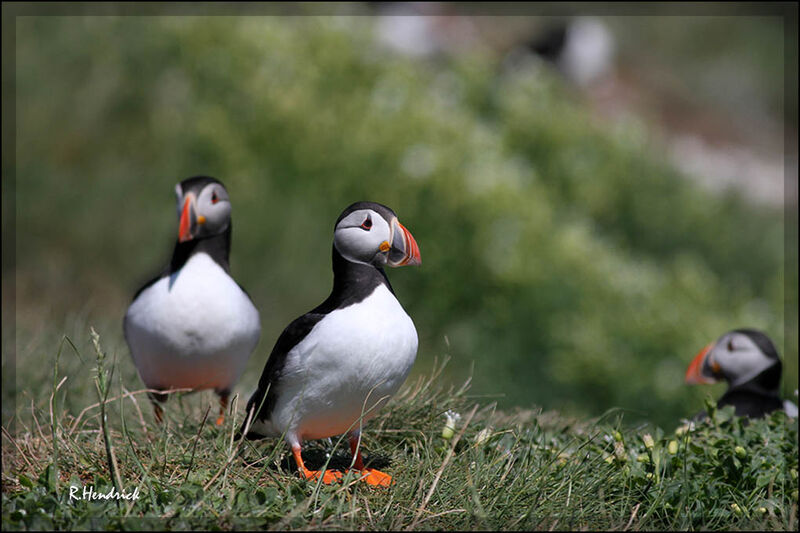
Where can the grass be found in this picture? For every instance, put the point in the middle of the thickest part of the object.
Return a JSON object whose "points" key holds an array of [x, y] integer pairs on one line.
{"points": [[458, 462]]}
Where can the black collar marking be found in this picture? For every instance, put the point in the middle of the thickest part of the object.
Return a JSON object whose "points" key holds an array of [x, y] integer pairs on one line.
{"points": [[217, 247], [750, 402], [352, 283], [768, 381], [747, 402]]}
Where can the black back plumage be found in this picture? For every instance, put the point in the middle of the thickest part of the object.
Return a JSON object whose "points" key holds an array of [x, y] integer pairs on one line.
{"points": [[750, 402]]}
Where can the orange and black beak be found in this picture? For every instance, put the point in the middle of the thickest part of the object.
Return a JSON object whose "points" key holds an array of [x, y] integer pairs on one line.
{"points": [[403, 250], [703, 369], [189, 221]]}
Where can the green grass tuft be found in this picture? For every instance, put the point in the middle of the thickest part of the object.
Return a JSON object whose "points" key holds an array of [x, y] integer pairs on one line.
{"points": [[458, 462]]}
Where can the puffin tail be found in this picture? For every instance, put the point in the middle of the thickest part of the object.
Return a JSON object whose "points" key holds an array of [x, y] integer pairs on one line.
{"points": [[251, 416]]}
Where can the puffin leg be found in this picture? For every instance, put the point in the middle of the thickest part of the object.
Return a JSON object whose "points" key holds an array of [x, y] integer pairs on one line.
{"points": [[373, 476], [355, 451], [329, 477], [157, 399], [223, 405], [158, 412]]}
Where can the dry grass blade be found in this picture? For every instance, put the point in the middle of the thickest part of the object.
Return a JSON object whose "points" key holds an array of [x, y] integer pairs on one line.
{"points": [[77, 420], [128, 393], [633, 517], [196, 440], [14, 442]]}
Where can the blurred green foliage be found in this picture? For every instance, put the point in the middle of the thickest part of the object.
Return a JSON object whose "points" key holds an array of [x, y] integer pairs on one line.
{"points": [[565, 263]]}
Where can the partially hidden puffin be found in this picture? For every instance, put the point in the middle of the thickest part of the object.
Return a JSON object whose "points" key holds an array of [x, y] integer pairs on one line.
{"points": [[334, 367], [193, 326], [748, 361]]}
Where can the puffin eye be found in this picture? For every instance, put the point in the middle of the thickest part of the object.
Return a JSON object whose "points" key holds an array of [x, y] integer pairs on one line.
{"points": [[730, 345], [214, 197], [367, 224]]}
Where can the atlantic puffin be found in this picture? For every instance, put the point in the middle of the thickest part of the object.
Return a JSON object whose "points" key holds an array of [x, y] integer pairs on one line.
{"points": [[193, 326], [334, 367], [748, 361]]}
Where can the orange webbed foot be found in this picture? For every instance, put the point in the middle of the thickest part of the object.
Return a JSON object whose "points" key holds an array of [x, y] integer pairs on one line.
{"points": [[373, 477], [329, 477], [376, 478]]}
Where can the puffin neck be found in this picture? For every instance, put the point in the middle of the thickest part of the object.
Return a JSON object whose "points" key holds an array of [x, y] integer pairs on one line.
{"points": [[217, 247], [352, 283], [766, 382]]}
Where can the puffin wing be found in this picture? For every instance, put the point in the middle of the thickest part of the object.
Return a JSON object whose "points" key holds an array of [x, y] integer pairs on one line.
{"points": [[146, 285], [263, 399]]}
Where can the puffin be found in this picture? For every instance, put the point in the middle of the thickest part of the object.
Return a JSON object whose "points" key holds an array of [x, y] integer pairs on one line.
{"points": [[334, 367], [748, 361], [193, 326]]}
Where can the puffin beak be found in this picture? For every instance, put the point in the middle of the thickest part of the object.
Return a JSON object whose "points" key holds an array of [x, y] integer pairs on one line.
{"points": [[694, 374], [403, 249], [188, 220]]}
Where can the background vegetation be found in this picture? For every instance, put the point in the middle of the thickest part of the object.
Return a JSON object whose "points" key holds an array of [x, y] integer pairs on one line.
{"points": [[566, 263]]}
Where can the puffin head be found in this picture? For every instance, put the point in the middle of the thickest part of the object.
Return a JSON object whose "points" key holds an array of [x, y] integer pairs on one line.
{"points": [[737, 357], [369, 233], [204, 208]]}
